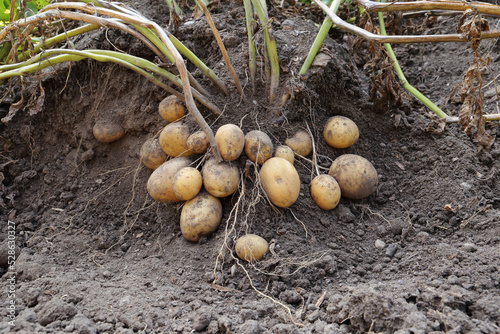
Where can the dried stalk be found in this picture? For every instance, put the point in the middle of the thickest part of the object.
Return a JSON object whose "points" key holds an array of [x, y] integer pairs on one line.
{"points": [[222, 48], [480, 7]]}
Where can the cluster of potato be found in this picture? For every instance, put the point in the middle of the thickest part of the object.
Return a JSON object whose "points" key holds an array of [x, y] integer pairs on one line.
{"points": [[175, 180], [350, 175]]}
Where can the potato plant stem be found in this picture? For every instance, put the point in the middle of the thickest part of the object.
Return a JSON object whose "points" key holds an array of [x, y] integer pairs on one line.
{"points": [[222, 48], [341, 24], [412, 90], [252, 59], [320, 38], [271, 51], [49, 42]]}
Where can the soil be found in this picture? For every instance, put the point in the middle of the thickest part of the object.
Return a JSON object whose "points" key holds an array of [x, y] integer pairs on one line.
{"points": [[98, 255]]}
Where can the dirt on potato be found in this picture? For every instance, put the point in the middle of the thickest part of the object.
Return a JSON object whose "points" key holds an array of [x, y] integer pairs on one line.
{"points": [[98, 255]]}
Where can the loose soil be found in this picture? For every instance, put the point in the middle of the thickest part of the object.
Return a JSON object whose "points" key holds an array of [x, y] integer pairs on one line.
{"points": [[98, 255]]}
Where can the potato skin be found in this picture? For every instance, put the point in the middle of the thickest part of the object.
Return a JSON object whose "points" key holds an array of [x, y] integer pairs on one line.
{"points": [[173, 140], [280, 181], [171, 109], [258, 146], [107, 132], [187, 183], [251, 247], [285, 152], [220, 179], [355, 175], [198, 142], [160, 181], [231, 140], [152, 156], [200, 216], [300, 143], [325, 191], [340, 132]]}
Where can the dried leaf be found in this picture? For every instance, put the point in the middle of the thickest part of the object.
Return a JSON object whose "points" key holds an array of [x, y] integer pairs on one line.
{"points": [[14, 108]]}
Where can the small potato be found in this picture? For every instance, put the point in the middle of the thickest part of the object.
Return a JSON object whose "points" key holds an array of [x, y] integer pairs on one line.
{"points": [[285, 152], [107, 132], [200, 216], [300, 143], [220, 179], [355, 175], [325, 191], [187, 183], [340, 132], [173, 140], [251, 247], [152, 156], [160, 181], [258, 146], [280, 181], [171, 109], [198, 142], [230, 140]]}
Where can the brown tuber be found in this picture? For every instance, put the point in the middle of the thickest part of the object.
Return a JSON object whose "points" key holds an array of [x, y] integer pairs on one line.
{"points": [[356, 176], [171, 109], [152, 156], [107, 132]]}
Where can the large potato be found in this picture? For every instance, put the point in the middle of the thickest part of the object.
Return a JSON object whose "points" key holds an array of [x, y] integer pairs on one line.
{"points": [[251, 247], [325, 191], [258, 146], [280, 181], [230, 140], [300, 143], [198, 142], [200, 216], [220, 179], [171, 109], [173, 140], [160, 182], [340, 132], [285, 152], [187, 183], [107, 132], [152, 156], [355, 175]]}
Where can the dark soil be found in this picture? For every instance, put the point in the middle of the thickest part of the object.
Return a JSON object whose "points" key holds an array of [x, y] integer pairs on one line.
{"points": [[98, 255]]}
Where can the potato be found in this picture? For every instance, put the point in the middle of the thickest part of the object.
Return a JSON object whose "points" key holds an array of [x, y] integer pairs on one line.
{"points": [[251, 247], [325, 191], [171, 109], [200, 216], [258, 146], [198, 142], [186, 183], [285, 152], [230, 140], [160, 181], [300, 143], [340, 132], [173, 140], [220, 179], [280, 181], [107, 132], [152, 156], [355, 175]]}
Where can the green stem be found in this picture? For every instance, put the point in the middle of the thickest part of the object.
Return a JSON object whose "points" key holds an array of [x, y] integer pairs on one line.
{"points": [[252, 59], [412, 90], [261, 10], [49, 42], [320, 38]]}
